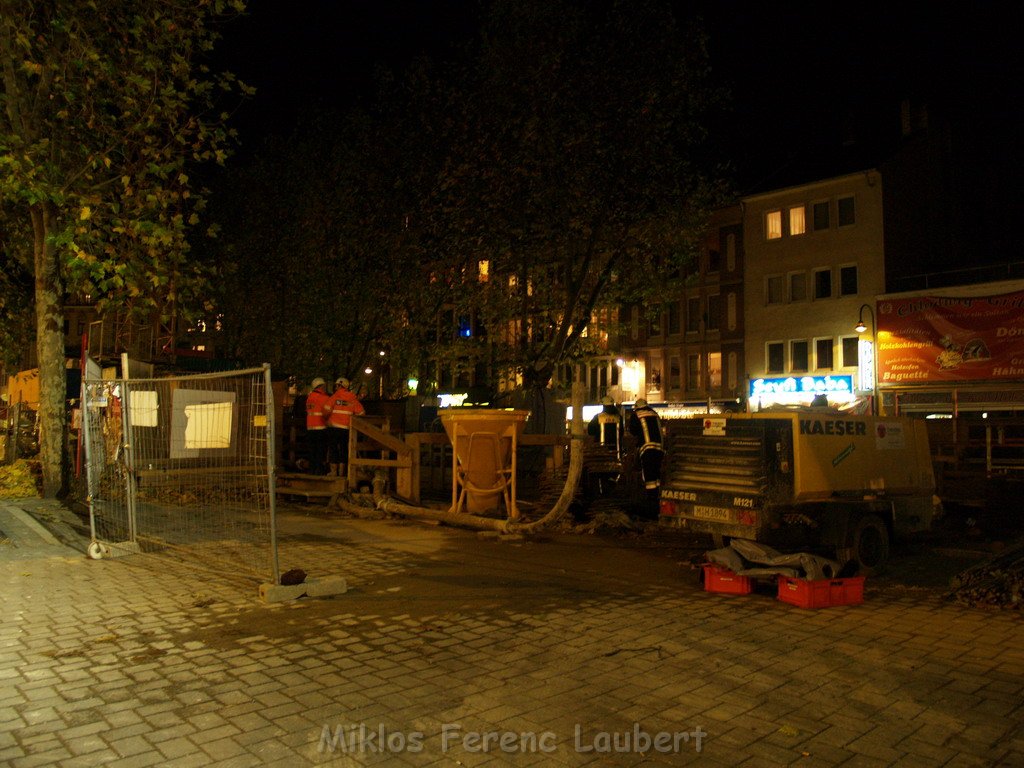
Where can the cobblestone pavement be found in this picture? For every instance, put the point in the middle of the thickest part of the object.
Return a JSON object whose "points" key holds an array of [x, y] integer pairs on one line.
{"points": [[451, 649]]}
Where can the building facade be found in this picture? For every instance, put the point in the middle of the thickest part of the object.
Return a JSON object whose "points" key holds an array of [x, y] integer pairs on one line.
{"points": [[815, 260]]}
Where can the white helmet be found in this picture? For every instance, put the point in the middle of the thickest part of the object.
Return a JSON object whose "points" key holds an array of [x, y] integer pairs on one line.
{"points": [[341, 381], [640, 403], [607, 400], [318, 382]]}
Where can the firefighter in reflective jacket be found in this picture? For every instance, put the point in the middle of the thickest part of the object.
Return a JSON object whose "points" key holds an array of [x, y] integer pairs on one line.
{"points": [[645, 426], [606, 426], [341, 406], [316, 426]]}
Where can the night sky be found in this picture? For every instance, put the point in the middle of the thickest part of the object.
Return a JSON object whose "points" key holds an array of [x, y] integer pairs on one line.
{"points": [[802, 74]]}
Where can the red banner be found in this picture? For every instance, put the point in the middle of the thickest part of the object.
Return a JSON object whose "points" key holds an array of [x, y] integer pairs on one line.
{"points": [[945, 338]]}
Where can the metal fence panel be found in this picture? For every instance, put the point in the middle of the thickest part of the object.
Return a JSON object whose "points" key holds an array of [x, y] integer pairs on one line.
{"points": [[184, 465]]}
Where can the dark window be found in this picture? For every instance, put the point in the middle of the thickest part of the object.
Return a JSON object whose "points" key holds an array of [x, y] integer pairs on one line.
{"points": [[823, 284], [798, 356], [820, 216], [714, 261], [823, 354], [693, 315], [798, 286], [848, 281], [850, 353], [654, 321], [776, 357], [692, 372], [674, 319], [714, 321], [846, 212]]}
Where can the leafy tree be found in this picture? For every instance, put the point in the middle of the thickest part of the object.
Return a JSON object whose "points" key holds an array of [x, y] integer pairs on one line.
{"points": [[105, 107], [324, 231], [581, 175], [15, 294]]}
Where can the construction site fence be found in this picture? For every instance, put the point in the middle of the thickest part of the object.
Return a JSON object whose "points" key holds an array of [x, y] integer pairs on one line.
{"points": [[183, 466]]}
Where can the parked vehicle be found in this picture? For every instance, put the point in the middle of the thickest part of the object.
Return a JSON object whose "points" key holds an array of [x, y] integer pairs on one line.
{"points": [[801, 479]]}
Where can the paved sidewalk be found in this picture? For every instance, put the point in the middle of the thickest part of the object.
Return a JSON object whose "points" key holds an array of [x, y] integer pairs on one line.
{"points": [[451, 649]]}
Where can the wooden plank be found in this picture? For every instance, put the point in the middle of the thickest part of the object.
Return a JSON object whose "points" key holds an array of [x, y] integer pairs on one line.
{"points": [[401, 463], [385, 439]]}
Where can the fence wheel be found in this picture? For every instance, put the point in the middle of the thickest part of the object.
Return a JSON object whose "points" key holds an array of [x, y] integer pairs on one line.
{"points": [[96, 551]]}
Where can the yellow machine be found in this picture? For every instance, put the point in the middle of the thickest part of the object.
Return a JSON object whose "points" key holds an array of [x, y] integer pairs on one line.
{"points": [[801, 479]]}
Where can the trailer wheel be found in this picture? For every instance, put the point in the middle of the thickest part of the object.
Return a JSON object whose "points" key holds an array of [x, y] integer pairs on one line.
{"points": [[869, 545]]}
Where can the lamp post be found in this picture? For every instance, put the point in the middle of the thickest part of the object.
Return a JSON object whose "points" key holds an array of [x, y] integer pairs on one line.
{"points": [[873, 368]]}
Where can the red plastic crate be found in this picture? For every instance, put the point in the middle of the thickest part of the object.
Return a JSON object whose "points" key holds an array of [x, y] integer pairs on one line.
{"points": [[719, 579], [821, 593]]}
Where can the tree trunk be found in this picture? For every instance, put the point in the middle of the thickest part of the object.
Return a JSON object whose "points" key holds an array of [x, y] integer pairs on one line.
{"points": [[49, 294]]}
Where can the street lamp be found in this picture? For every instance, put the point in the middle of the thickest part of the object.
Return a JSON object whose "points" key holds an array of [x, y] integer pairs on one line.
{"points": [[867, 360]]}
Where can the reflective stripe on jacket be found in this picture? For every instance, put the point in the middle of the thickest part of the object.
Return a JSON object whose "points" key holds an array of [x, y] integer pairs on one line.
{"points": [[342, 405], [315, 404], [645, 425]]}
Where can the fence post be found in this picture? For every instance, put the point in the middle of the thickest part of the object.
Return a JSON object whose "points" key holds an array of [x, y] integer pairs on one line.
{"points": [[128, 459], [270, 409]]}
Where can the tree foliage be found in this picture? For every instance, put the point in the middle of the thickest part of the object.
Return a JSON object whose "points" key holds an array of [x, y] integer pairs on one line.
{"points": [[326, 234], [582, 177], [105, 108], [566, 151]]}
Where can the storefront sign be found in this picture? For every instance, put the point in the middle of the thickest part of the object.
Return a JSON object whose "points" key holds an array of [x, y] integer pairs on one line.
{"points": [[944, 338], [801, 385]]}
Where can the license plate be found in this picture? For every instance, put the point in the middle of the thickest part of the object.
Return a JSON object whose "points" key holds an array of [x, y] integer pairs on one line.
{"points": [[710, 513]]}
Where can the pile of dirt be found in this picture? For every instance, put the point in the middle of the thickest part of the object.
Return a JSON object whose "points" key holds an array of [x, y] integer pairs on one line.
{"points": [[996, 583]]}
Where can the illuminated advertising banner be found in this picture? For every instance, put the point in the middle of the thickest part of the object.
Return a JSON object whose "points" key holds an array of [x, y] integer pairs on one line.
{"points": [[943, 338], [801, 385]]}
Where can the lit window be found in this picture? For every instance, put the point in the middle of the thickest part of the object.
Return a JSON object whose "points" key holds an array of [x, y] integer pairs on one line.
{"points": [[848, 280], [773, 225], [797, 220], [483, 270], [845, 208], [823, 284], [715, 369], [776, 355], [775, 290], [798, 355]]}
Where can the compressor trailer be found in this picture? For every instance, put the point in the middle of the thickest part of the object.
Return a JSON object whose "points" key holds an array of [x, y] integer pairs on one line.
{"points": [[800, 479]]}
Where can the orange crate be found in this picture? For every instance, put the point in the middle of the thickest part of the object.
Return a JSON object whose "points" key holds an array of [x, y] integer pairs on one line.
{"points": [[719, 579], [821, 593]]}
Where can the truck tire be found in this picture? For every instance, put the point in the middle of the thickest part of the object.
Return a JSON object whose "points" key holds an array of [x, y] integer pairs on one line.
{"points": [[868, 545]]}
